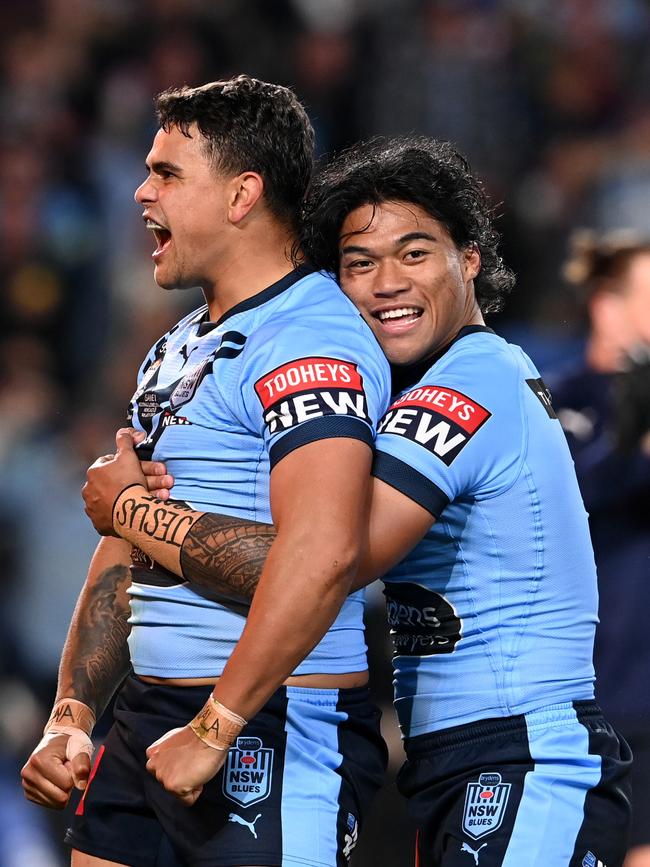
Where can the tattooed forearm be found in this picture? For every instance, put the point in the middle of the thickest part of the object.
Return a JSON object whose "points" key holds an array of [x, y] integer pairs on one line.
{"points": [[217, 553], [95, 657], [155, 519], [226, 554]]}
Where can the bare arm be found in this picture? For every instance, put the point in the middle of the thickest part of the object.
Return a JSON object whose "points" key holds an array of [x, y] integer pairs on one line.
{"points": [[95, 659], [228, 554], [225, 554], [95, 655], [319, 498]]}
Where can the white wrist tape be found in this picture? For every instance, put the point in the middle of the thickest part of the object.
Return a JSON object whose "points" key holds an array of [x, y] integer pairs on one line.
{"points": [[78, 741]]}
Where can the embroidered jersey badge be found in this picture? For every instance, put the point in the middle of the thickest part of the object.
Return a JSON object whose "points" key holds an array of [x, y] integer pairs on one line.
{"points": [[485, 804], [186, 388], [247, 772]]}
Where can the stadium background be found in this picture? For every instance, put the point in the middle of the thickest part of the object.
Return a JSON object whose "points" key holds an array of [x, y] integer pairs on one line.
{"points": [[550, 101]]}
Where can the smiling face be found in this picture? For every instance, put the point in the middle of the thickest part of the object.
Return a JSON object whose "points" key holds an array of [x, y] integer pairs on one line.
{"points": [[185, 206], [412, 285]]}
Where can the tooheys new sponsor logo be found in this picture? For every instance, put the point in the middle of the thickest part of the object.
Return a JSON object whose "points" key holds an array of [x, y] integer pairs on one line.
{"points": [[309, 388], [440, 419]]}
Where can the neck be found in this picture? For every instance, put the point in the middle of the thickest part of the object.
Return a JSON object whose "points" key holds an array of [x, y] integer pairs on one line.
{"points": [[250, 265]]}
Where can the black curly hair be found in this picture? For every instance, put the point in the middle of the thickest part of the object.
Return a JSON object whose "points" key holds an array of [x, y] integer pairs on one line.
{"points": [[416, 170], [249, 125]]}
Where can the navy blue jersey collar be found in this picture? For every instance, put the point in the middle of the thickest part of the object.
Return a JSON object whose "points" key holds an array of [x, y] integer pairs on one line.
{"points": [[259, 298], [404, 376]]}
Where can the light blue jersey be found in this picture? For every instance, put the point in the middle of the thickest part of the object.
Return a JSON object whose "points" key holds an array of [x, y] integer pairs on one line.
{"points": [[223, 402], [493, 614]]}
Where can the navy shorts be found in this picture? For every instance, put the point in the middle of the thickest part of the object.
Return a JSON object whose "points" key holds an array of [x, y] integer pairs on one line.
{"points": [[294, 789], [639, 740], [545, 788]]}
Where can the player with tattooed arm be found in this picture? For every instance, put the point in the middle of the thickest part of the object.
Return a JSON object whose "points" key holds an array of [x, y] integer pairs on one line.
{"points": [[263, 404], [493, 606]]}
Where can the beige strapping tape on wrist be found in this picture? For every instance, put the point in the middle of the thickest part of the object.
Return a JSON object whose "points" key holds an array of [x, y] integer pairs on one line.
{"points": [[217, 726], [70, 713], [75, 719]]}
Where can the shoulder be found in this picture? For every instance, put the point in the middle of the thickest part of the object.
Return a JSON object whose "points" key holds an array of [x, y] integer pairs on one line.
{"points": [[316, 318], [311, 303], [486, 368]]}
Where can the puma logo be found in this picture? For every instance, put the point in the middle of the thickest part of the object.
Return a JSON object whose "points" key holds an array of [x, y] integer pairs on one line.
{"points": [[233, 817], [467, 848], [186, 354]]}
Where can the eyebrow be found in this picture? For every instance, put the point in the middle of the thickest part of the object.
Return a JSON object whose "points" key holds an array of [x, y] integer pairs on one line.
{"points": [[162, 166], [411, 236]]}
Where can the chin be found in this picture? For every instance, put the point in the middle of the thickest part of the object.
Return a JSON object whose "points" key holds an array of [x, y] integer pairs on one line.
{"points": [[402, 356], [167, 283]]}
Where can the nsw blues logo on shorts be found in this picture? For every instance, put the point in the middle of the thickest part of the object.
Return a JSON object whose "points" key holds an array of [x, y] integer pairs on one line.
{"points": [[247, 772], [485, 805]]}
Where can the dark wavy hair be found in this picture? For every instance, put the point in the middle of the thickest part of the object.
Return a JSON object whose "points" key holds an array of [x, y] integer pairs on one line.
{"points": [[415, 170], [249, 125]]}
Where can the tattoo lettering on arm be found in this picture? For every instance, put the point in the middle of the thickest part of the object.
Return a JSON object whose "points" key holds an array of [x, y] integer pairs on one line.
{"points": [[156, 519], [226, 554], [96, 657]]}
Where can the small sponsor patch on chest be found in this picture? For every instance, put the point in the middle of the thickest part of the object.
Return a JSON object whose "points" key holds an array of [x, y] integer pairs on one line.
{"points": [[441, 420], [421, 621]]}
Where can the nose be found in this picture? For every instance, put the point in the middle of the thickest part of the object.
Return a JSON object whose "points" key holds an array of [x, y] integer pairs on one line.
{"points": [[145, 193], [390, 280]]}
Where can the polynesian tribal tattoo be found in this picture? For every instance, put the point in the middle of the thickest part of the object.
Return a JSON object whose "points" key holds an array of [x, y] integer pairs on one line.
{"points": [[220, 553], [226, 554], [96, 643]]}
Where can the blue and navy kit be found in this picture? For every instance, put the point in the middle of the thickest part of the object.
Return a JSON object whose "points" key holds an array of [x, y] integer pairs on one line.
{"points": [[293, 790], [493, 616], [223, 402], [490, 616]]}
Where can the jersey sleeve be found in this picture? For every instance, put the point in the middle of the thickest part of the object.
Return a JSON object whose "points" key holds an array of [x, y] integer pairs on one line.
{"points": [[448, 438], [299, 384]]}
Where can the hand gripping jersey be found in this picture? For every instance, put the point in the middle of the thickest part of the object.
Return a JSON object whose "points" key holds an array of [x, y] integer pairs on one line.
{"points": [[223, 402], [494, 612]]}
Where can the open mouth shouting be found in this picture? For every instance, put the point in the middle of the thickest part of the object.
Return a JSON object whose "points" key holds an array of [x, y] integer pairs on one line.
{"points": [[162, 235]]}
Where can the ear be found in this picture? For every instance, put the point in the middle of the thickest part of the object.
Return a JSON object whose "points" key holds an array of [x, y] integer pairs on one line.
{"points": [[471, 261], [244, 191]]}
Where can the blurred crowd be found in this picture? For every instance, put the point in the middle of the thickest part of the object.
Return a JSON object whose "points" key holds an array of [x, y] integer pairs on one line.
{"points": [[550, 102]]}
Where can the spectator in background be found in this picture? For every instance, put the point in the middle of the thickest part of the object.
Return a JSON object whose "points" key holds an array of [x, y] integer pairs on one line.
{"points": [[604, 407]]}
